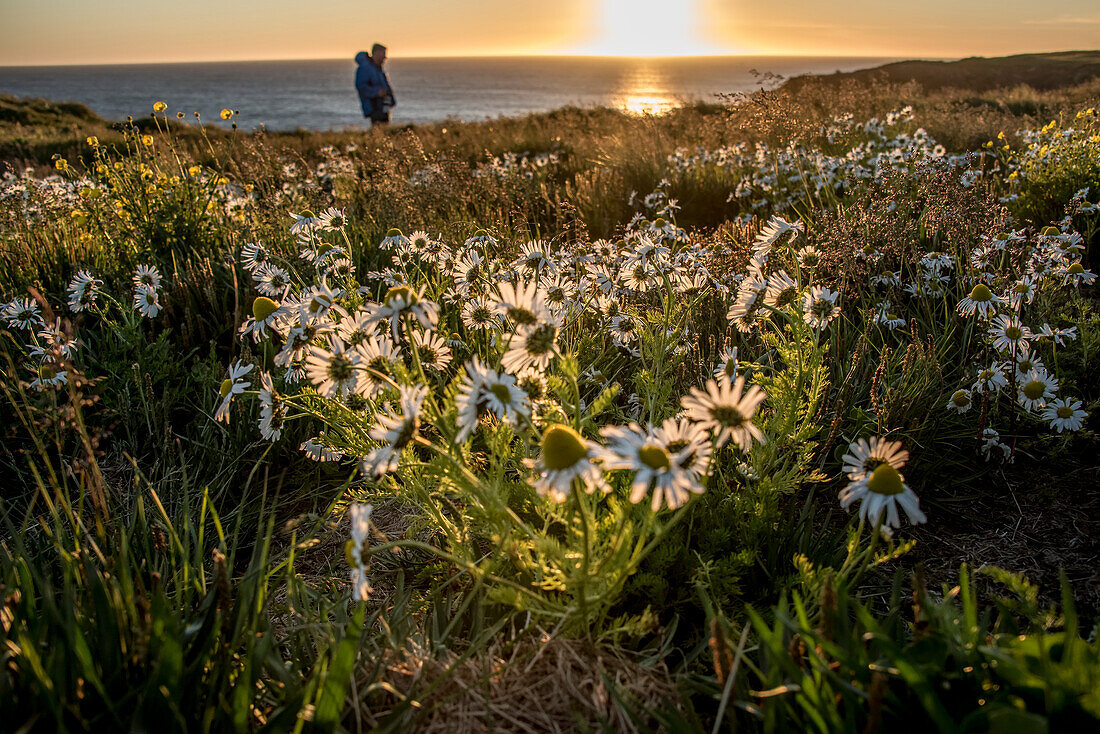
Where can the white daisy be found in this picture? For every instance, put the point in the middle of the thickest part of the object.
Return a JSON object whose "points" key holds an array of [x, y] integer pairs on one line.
{"points": [[266, 313], [146, 301], [431, 349], [566, 457], [22, 313], [1036, 389], [819, 306], [1075, 274], [959, 402], [1058, 336], [358, 551], [253, 255], [980, 301], [1022, 292], [315, 303], [726, 369], [809, 257], [747, 302], [723, 410], [378, 357], [478, 314], [521, 303], [471, 272], [231, 385], [865, 456], [781, 290], [689, 443], [83, 290], [644, 452], [401, 301], [54, 343], [148, 276], [271, 280], [991, 445], [331, 219], [333, 371], [272, 409], [48, 378], [393, 240], [304, 221], [317, 451], [395, 429], [482, 391], [1025, 364], [532, 346], [990, 379], [1009, 335], [1065, 414], [880, 493], [776, 230]]}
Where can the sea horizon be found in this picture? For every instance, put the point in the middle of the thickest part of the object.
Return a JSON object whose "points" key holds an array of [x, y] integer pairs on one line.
{"points": [[475, 57], [318, 94]]}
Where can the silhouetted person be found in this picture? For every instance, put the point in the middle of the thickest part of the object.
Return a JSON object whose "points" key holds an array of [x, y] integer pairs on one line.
{"points": [[374, 88]]}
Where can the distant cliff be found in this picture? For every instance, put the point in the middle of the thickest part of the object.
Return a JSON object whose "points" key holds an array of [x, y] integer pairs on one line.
{"points": [[1038, 71]]}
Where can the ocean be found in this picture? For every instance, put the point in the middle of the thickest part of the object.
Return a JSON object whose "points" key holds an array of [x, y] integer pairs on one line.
{"points": [[320, 95]]}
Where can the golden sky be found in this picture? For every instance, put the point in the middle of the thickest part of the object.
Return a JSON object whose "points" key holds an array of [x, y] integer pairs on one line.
{"points": [[121, 31]]}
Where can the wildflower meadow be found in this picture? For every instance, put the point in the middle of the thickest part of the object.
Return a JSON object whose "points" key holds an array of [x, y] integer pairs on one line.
{"points": [[776, 414]]}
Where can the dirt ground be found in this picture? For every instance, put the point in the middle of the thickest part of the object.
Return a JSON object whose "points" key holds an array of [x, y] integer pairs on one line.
{"points": [[1041, 522]]}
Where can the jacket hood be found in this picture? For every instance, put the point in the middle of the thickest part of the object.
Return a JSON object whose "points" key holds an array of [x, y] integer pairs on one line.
{"points": [[361, 57]]}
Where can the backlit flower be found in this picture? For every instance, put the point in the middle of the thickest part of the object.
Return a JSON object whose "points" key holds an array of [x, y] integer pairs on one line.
{"points": [[726, 412], [565, 458], [647, 455]]}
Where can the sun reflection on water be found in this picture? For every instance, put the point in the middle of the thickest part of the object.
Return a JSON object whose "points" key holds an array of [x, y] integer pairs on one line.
{"points": [[644, 90]]}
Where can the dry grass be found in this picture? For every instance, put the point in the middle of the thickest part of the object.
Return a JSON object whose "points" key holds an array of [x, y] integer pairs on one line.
{"points": [[544, 684]]}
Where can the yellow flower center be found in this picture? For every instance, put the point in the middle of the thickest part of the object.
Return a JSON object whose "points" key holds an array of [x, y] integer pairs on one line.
{"points": [[562, 448], [654, 457], [226, 386], [1013, 332], [395, 232], [960, 398], [885, 480], [307, 214], [731, 368], [318, 302], [1035, 389], [1076, 269], [263, 307], [45, 372], [1051, 232], [399, 292], [981, 293], [501, 392]]}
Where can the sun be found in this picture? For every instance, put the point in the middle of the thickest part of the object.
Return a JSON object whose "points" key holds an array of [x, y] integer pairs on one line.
{"points": [[649, 28]]}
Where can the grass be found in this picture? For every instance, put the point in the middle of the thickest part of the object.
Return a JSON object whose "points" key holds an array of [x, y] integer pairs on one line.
{"points": [[161, 567]]}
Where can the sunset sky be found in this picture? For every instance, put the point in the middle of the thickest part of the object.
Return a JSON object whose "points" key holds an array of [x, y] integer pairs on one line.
{"points": [[116, 31]]}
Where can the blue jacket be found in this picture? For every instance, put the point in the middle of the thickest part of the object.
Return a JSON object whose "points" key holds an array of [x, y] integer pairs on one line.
{"points": [[369, 80]]}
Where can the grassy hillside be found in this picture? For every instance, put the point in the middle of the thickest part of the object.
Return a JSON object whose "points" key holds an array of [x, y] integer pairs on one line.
{"points": [[1042, 72], [571, 422]]}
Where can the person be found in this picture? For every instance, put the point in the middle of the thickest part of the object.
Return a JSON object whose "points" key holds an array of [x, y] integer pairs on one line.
{"points": [[375, 92]]}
